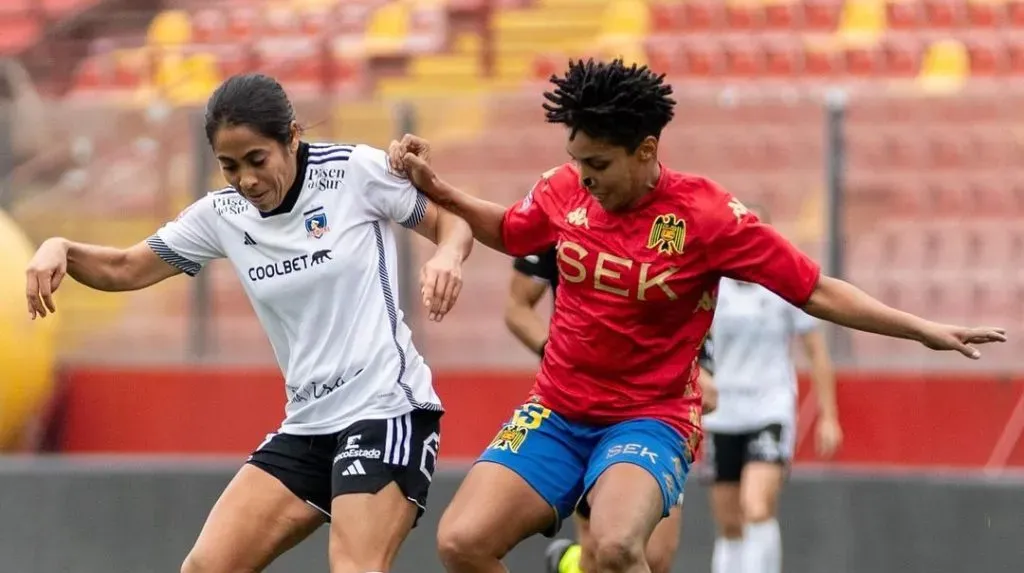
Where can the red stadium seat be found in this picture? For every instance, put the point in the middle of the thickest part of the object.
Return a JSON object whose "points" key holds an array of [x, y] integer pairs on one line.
{"points": [[822, 62], [943, 13], [782, 58], [782, 15], [1013, 50], [702, 15], [904, 14], [232, 59], [209, 26], [663, 55], [1014, 13], [666, 16], [743, 15], [244, 22], [985, 13], [743, 59], [901, 57], [700, 59], [281, 19], [987, 58], [822, 15], [863, 61]]}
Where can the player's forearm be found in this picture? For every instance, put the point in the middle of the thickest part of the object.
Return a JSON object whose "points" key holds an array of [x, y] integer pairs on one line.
{"points": [[483, 217], [524, 323], [97, 267], [454, 234], [840, 302], [824, 381]]}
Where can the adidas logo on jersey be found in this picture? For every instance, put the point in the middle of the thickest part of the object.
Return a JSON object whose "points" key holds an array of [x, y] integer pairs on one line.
{"points": [[354, 469], [248, 240]]}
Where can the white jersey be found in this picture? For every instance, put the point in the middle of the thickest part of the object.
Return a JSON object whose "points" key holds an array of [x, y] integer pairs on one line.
{"points": [[753, 332], [321, 274]]}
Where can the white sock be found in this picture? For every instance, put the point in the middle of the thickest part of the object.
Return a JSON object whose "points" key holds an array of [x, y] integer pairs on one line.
{"points": [[728, 556], [762, 547]]}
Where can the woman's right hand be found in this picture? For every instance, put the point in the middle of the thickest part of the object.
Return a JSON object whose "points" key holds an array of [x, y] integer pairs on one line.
{"points": [[43, 276]]}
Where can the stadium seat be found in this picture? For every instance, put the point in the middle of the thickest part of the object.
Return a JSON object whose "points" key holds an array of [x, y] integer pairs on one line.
{"points": [[985, 13], [861, 20], [822, 61], [821, 15], [209, 25], [170, 28], [662, 55], [863, 60], [986, 56], [1014, 13], [666, 16], [901, 57], [244, 22], [744, 14], [781, 15], [1013, 52], [943, 14], [702, 15], [387, 29], [700, 58], [281, 19], [743, 58], [945, 66], [904, 14], [782, 58], [625, 19]]}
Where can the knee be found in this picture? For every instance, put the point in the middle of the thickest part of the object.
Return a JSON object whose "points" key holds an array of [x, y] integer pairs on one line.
{"points": [[659, 558], [460, 545], [756, 511], [616, 553], [659, 562]]}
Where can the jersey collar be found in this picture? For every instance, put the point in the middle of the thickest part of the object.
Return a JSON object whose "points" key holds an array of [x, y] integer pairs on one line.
{"points": [[292, 196]]}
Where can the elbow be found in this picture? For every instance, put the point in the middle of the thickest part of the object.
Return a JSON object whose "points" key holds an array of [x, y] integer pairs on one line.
{"points": [[822, 298]]}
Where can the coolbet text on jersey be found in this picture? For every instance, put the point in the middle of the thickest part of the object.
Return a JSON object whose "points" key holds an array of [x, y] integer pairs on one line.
{"points": [[320, 272], [638, 289]]}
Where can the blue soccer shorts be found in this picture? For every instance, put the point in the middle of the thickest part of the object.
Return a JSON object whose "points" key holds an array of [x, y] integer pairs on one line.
{"points": [[562, 460]]}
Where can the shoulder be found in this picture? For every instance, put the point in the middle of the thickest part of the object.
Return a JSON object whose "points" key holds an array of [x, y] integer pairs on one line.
{"points": [[709, 205], [325, 152], [212, 203], [561, 179], [370, 162]]}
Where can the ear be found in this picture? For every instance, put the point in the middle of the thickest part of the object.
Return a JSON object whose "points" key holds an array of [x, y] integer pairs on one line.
{"points": [[293, 137], [648, 149]]}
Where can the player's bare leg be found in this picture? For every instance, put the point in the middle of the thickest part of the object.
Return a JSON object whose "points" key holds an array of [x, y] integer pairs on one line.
{"points": [[578, 557], [759, 495], [368, 529], [728, 515], [493, 510], [255, 520], [626, 505]]}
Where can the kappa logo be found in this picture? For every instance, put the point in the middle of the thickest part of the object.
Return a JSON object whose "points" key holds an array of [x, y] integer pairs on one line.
{"points": [[738, 209], [578, 217]]}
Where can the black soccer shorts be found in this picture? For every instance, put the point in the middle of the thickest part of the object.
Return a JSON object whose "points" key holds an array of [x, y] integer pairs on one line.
{"points": [[363, 458], [725, 454]]}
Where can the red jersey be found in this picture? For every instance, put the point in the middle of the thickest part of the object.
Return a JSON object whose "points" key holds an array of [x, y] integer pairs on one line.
{"points": [[637, 291]]}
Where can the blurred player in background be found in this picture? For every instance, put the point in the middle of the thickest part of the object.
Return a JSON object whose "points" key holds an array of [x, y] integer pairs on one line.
{"points": [[306, 228], [531, 277], [751, 437], [613, 420]]}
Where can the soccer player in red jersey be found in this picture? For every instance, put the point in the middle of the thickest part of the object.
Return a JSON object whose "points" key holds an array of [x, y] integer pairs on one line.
{"points": [[611, 424]]}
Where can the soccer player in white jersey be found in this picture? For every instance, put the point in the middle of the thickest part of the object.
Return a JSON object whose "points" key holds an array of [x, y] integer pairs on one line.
{"points": [[751, 436], [306, 228]]}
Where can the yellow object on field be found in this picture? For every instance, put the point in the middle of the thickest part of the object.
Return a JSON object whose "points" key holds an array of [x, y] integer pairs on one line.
{"points": [[27, 348]]}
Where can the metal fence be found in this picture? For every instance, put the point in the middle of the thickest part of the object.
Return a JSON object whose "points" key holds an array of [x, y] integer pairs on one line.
{"points": [[917, 198]]}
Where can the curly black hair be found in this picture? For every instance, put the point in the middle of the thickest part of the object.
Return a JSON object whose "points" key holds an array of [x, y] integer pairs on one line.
{"points": [[610, 101]]}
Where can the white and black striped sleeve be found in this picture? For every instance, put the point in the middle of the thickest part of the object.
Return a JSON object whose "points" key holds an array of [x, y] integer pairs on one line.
{"points": [[389, 195], [190, 241]]}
